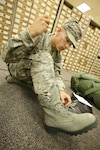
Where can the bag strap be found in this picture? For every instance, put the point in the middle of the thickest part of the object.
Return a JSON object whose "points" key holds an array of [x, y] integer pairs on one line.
{"points": [[83, 75], [91, 90]]}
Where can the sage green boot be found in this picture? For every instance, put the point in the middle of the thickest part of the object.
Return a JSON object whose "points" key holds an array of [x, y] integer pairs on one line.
{"points": [[61, 118], [69, 122]]}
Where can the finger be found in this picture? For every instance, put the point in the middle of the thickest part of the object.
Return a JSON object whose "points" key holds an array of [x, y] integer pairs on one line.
{"points": [[45, 27], [46, 24], [68, 103], [47, 20], [63, 101], [69, 99], [46, 16]]}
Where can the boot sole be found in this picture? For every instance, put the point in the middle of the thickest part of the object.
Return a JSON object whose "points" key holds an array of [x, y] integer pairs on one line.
{"points": [[54, 130]]}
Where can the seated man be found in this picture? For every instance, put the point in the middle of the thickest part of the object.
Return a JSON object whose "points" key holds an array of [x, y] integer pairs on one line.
{"points": [[33, 57]]}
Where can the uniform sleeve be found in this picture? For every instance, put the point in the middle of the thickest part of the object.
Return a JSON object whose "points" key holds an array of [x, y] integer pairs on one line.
{"points": [[58, 73], [18, 47], [59, 79]]}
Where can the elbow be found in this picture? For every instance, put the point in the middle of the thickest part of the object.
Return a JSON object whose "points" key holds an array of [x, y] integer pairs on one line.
{"points": [[3, 54], [4, 58]]}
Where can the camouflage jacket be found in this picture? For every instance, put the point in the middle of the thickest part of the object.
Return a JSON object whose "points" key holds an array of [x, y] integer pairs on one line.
{"points": [[22, 47]]}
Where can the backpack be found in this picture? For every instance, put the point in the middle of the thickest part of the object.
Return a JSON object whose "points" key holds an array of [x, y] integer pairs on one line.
{"points": [[87, 86]]}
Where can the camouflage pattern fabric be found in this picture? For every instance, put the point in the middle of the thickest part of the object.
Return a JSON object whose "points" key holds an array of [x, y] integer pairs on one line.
{"points": [[33, 60]]}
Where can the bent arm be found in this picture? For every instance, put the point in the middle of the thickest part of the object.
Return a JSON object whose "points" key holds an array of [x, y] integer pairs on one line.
{"points": [[21, 45], [18, 47], [65, 98]]}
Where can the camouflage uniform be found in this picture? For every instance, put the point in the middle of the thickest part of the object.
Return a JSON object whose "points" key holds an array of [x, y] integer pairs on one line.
{"points": [[33, 60]]}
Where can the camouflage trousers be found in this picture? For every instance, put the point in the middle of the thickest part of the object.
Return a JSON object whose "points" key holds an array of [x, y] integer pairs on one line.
{"points": [[39, 70]]}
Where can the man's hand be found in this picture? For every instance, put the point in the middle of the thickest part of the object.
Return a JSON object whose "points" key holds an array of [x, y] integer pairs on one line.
{"points": [[39, 26], [65, 98]]}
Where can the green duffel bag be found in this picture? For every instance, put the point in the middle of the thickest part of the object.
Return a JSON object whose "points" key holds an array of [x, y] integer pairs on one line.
{"points": [[87, 86]]}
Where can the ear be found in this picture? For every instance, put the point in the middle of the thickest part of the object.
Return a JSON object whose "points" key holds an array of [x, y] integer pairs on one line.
{"points": [[59, 29]]}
